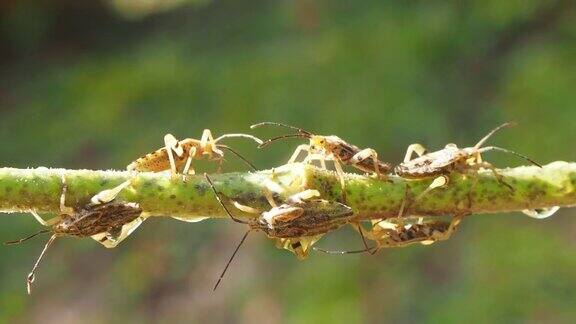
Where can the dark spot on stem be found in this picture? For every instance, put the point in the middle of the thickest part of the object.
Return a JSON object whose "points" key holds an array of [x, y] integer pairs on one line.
{"points": [[172, 196], [201, 189]]}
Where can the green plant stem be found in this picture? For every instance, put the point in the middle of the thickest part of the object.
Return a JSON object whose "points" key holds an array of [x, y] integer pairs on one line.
{"points": [[160, 195]]}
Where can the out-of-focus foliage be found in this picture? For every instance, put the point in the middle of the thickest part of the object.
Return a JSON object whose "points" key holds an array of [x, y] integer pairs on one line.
{"points": [[82, 87]]}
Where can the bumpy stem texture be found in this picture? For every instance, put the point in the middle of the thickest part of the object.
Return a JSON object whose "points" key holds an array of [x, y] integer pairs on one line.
{"points": [[159, 194]]}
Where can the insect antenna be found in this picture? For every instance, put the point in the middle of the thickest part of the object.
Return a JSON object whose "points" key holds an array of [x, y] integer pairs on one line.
{"points": [[238, 155], [231, 258], [254, 138], [273, 139], [26, 238], [485, 138], [220, 201], [496, 148], [300, 130], [32, 274]]}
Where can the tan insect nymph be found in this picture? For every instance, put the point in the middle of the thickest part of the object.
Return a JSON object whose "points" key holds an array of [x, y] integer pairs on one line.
{"points": [[177, 154]]}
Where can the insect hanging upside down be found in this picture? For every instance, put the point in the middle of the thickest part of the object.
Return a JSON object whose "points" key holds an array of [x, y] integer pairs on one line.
{"points": [[295, 225], [441, 163], [179, 153], [392, 233], [105, 220]]}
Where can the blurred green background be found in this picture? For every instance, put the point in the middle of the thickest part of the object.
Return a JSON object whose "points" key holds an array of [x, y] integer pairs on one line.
{"points": [[87, 84]]}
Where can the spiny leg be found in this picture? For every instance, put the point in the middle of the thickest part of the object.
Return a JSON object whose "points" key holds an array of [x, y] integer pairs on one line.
{"points": [[414, 148], [32, 275]]}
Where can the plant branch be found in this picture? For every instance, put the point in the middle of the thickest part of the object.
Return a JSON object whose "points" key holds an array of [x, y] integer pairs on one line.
{"points": [[160, 195]]}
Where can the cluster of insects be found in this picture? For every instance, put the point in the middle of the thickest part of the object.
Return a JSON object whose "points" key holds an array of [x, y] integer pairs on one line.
{"points": [[295, 222]]}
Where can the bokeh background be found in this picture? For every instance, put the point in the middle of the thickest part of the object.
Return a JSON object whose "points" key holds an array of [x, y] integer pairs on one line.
{"points": [[94, 84]]}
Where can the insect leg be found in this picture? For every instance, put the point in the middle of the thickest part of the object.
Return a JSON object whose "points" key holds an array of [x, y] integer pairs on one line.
{"points": [[340, 173], [362, 236], [299, 149], [172, 146], [40, 220], [438, 182], [358, 227], [363, 155], [32, 275], [106, 196], [414, 148], [497, 175], [456, 220], [303, 195], [187, 167]]}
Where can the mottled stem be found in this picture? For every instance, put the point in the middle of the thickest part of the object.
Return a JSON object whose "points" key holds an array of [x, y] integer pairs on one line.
{"points": [[160, 195]]}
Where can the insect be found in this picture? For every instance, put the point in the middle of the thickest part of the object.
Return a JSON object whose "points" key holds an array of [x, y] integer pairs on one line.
{"points": [[296, 224], [105, 220], [332, 148], [335, 149], [400, 233], [176, 154], [441, 163]]}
